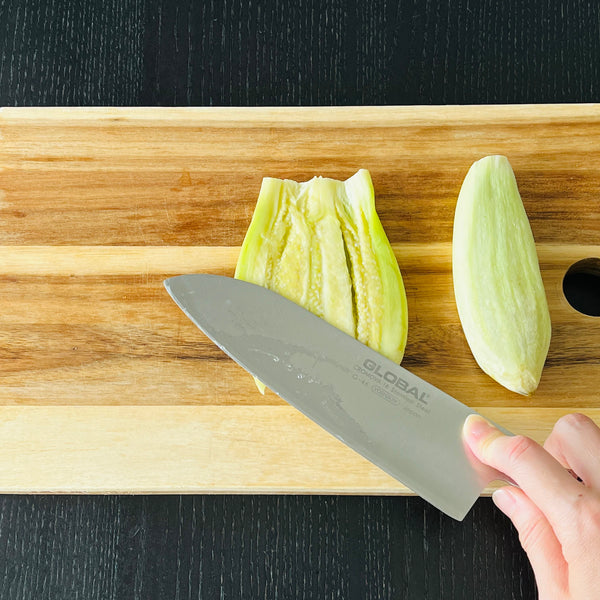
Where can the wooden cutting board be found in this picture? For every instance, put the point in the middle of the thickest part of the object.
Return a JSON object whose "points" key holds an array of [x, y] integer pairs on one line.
{"points": [[105, 386]]}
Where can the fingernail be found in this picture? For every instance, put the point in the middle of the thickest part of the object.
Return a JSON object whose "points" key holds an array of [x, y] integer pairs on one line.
{"points": [[476, 428], [504, 500]]}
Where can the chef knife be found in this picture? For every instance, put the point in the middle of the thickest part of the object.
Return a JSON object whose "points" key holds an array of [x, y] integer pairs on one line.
{"points": [[398, 421]]}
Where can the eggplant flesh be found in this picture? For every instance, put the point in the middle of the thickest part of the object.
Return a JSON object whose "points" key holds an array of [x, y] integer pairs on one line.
{"points": [[320, 243]]}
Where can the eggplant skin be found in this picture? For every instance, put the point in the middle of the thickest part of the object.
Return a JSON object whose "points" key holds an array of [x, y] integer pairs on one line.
{"points": [[320, 243], [498, 286]]}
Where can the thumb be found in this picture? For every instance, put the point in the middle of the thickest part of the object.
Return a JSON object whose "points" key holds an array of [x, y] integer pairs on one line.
{"points": [[545, 481]]}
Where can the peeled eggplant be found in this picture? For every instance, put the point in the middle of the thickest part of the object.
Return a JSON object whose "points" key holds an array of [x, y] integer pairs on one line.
{"points": [[498, 286]]}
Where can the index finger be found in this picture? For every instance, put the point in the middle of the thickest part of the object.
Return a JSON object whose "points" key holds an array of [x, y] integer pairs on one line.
{"points": [[534, 470]]}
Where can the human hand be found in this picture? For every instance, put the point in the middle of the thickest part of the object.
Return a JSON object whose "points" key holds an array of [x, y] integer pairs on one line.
{"points": [[556, 515]]}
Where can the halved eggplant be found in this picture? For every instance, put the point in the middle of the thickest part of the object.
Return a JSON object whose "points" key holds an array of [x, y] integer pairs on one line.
{"points": [[321, 244]]}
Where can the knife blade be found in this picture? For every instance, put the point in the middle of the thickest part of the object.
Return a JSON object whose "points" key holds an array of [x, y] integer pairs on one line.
{"points": [[401, 423]]}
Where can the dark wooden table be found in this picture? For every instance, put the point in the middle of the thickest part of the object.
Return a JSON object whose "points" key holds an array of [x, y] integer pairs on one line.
{"points": [[293, 52]]}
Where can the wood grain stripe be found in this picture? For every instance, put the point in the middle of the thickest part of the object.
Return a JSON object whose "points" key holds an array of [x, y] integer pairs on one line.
{"points": [[134, 260], [198, 450], [84, 261]]}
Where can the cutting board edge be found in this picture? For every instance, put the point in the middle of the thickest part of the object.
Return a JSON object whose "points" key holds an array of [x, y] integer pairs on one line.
{"points": [[319, 115], [199, 450]]}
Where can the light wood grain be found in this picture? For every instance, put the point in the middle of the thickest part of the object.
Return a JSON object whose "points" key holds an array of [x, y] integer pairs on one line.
{"points": [[225, 449], [106, 386]]}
